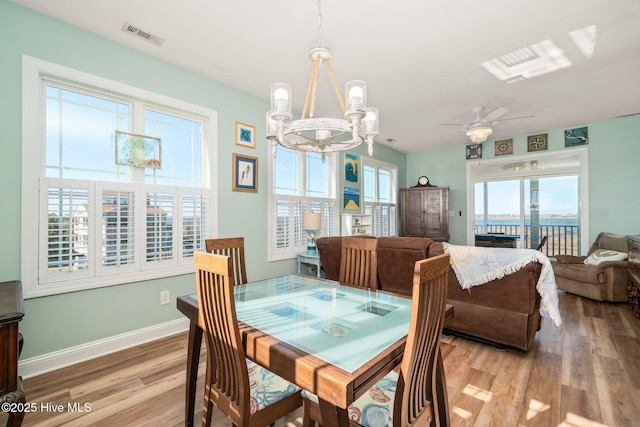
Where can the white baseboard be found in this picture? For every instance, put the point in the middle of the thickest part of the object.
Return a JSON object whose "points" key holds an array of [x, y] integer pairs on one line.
{"points": [[70, 356]]}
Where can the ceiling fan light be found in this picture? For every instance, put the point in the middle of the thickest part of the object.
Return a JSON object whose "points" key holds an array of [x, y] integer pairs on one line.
{"points": [[479, 134]]}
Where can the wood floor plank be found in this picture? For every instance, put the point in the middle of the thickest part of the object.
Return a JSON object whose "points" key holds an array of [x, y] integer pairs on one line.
{"points": [[577, 404], [591, 379], [541, 404], [577, 363]]}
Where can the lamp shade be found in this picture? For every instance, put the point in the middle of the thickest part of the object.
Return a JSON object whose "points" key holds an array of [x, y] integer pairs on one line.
{"points": [[312, 221], [479, 133]]}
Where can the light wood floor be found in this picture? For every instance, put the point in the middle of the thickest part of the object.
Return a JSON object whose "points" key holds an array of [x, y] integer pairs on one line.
{"points": [[586, 373]]}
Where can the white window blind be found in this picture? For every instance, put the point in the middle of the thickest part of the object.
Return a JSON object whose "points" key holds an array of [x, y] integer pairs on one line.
{"points": [[380, 189]]}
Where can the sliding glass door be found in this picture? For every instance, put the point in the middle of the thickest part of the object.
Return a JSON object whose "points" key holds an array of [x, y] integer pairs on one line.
{"points": [[518, 204]]}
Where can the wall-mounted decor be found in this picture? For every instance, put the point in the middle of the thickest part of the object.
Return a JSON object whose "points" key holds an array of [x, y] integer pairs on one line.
{"points": [[474, 151], [574, 137], [245, 173], [351, 199], [350, 167], [537, 142], [245, 135], [140, 151], [504, 147]]}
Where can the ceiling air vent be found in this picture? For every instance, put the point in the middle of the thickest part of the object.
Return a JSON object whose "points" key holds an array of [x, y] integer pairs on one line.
{"points": [[135, 31]]}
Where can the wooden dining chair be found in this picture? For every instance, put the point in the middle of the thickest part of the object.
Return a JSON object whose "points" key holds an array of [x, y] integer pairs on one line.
{"points": [[248, 394], [417, 395], [233, 247], [358, 263]]}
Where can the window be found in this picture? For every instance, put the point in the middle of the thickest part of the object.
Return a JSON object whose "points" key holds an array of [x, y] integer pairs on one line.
{"points": [[300, 182], [380, 190], [101, 223], [532, 197]]}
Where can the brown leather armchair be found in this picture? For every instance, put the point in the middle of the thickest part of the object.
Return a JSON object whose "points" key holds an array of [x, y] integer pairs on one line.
{"points": [[606, 281]]}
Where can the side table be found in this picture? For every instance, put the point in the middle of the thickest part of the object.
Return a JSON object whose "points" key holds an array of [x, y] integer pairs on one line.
{"points": [[11, 312], [311, 261]]}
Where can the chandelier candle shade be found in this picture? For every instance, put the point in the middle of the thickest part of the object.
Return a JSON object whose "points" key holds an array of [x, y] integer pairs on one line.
{"points": [[322, 135], [312, 223]]}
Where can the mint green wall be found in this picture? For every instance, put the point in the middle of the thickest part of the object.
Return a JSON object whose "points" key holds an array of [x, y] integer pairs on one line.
{"points": [[614, 175], [57, 322]]}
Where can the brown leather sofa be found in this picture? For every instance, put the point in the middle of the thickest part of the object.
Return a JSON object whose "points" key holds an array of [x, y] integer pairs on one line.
{"points": [[503, 312]]}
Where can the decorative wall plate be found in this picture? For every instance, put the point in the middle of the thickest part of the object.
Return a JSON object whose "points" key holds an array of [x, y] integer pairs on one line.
{"points": [[504, 147], [537, 142], [474, 151]]}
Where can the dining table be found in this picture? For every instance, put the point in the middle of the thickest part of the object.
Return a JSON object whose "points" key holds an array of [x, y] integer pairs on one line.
{"points": [[333, 340]]}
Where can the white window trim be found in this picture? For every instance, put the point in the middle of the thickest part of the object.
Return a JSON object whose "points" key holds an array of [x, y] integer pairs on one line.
{"points": [[33, 166], [582, 171]]}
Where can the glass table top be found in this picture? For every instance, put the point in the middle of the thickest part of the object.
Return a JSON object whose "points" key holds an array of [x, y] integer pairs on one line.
{"points": [[344, 326]]}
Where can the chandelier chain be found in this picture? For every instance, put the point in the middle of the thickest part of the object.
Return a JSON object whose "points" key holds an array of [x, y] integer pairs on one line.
{"points": [[319, 36]]}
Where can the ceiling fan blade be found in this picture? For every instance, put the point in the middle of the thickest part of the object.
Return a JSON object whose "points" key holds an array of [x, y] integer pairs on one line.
{"points": [[495, 114], [451, 124], [452, 133], [519, 117]]}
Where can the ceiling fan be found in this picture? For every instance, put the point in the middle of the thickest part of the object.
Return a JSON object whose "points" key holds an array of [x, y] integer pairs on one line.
{"points": [[480, 128]]}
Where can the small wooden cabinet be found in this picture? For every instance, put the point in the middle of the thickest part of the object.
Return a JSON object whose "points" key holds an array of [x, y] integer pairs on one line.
{"points": [[634, 274], [11, 312], [424, 212]]}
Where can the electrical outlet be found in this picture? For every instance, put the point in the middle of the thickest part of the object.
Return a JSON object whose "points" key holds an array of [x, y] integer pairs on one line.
{"points": [[164, 297]]}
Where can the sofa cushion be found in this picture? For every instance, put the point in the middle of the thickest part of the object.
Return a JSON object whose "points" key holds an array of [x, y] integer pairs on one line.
{"points": [[330, 251], [602, 255], [396, 260], [613, 242]]}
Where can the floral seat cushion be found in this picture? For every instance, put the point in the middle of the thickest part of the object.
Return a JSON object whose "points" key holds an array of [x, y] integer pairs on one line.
{"points": [[375, 407], [266, 388]]}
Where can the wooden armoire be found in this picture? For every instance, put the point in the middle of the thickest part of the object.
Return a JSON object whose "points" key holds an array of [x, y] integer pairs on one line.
{"points": [[424, 212]]}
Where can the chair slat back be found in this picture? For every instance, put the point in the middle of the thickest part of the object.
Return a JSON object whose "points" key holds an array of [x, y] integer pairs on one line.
{"points": [[418, 386], [226, 366], [358, 263], [233, 247]]}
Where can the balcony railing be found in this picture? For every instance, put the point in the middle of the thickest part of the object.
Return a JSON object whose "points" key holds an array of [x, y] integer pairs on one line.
{"points": [[561, 239]]}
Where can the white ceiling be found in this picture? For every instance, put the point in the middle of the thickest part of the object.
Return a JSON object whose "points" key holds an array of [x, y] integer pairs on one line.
{"points": [[421, 59]]}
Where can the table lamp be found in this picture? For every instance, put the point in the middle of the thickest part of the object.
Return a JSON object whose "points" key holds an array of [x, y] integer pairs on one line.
{"points": [[312, 225]]}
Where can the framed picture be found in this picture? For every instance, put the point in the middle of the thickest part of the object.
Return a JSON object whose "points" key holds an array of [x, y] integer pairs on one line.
{"points": [[504, 147], [140, 151], [350, 167], [537, 142], [245, 135], [351, 199], [245, 173], [474, 151], [575, 137]]}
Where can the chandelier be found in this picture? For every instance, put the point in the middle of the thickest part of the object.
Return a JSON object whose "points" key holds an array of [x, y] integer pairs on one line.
{"points": [[322, 135]]}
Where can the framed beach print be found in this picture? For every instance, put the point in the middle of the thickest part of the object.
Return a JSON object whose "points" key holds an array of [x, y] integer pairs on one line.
{"points": [[245, 135], [351, 199], [245, 173], [350, 167]]}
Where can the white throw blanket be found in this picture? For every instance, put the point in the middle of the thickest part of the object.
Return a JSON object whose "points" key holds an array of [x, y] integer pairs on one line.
{"points": [[477, 265]]}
